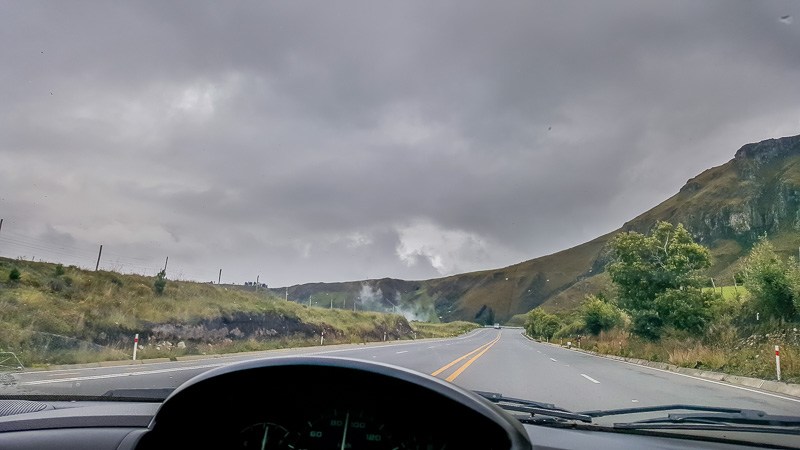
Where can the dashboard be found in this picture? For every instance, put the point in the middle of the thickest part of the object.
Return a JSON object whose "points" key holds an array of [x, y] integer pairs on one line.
{"points": [[320, 403], [302, 403]]}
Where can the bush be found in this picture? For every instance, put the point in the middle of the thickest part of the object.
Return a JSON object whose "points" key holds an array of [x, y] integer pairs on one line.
{"points": [[160, 283], [57, 285], [599, 315], [571, 329], [774, 283], [59, 270], [14, 275], [541, 324]]}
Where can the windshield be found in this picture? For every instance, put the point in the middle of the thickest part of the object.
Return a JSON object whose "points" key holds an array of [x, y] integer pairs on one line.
{"points": [[494, 194]]}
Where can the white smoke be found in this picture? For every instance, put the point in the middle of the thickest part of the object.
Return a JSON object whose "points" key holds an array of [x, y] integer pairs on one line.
{"points": [[372, 299]]}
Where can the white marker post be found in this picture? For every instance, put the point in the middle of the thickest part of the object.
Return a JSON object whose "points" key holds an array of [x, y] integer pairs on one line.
{"points": [[778, 361], [322, 337], [135, 345]]}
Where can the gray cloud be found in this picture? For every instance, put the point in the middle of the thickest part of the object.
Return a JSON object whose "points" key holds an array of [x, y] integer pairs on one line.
{"points": [[309, 141]]}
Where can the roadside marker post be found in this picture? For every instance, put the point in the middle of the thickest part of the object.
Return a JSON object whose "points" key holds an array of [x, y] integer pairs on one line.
{"points": [[322, 337], [778, 361], [135, 345]]}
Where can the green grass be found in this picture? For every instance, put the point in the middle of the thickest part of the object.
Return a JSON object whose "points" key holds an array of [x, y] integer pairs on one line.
{"points": [[50, 318], [439, 330], [729, 292]]}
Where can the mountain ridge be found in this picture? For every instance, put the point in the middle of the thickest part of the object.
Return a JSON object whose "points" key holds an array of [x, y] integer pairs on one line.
{"points": [[726, 207]]}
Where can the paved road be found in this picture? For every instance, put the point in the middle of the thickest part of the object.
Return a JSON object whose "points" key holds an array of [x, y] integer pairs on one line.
{"points": [[486, 359]]}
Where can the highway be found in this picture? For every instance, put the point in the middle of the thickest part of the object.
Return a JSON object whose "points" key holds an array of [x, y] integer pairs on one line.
{"points": [[487, 359]]}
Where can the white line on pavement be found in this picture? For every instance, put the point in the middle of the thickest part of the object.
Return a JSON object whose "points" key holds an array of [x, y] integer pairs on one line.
{"points": [[116, 375], [404, 351], [791, 399], [553, 359], [590, 378]]}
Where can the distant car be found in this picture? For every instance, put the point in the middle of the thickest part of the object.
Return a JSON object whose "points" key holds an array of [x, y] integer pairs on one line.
{"points": [[497, 326]]}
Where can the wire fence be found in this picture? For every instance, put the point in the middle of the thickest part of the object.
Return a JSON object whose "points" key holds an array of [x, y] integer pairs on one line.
{"points": [[23, 247]]}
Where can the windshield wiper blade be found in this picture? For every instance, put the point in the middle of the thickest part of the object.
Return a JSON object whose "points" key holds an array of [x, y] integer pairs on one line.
{"points": [[532, 407], [644, 409], [138, 394], [709, 418]]}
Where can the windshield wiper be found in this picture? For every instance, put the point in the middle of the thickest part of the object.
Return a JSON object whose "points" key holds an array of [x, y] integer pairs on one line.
{"points": [[138, 394], [709, 418], [532, 407]]}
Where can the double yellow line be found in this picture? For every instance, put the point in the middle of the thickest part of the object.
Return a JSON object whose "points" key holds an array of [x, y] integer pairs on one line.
{"points": [[480, 351]]}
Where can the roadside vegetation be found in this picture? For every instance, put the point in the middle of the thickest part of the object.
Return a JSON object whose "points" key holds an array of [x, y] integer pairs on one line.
{"points": [[659, 310], [52, 314]]}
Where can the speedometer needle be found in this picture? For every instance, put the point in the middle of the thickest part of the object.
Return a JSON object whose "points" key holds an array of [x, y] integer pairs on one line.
{"points": [[264, 439], [346, 424]]}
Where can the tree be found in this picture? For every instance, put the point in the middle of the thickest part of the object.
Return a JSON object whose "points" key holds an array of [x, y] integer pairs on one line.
{"points": [[657, 279], [773, 283], [160, 283], [14, 275], [599, 315]]}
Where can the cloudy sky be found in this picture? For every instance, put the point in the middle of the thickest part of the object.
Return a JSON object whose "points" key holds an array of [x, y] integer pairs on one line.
{"points": [[327, 141]]}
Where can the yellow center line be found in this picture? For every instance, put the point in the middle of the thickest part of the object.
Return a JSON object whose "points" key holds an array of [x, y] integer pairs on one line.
{"points": [[458, 371], [457, 360]]}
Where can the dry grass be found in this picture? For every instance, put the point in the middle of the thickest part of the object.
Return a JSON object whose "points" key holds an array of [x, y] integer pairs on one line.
{"points": [[757, 360]]}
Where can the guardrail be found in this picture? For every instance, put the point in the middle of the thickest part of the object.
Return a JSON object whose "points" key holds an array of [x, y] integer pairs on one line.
{"points": [[8, 363], [9, 360]]}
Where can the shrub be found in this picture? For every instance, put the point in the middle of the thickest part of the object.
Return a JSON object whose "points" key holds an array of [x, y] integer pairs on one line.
{"points": [[774, 283], [160, 283], [57, 285], [599, 315], [14, 275], [542, 324], [59, 270]]}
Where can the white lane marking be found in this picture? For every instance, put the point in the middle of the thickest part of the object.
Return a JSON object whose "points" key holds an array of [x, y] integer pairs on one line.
{"points": [[433, 346], [404, 351], [235, 357], [755, 391], [116, 375], [553, 359], [634, 401], [590, 378], [537, 351]]}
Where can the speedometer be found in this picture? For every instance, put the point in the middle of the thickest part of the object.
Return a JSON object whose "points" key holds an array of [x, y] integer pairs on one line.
{"points": [[266, 435], [345, 429]]}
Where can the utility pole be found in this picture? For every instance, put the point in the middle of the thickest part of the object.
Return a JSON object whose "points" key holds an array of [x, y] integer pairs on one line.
{"points": [[219, 278], [97, 266], [165, 264], [257, 278], [287, 293]]}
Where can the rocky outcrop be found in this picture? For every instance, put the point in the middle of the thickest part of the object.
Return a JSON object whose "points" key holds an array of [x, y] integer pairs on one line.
{"points": [[757, 192]]}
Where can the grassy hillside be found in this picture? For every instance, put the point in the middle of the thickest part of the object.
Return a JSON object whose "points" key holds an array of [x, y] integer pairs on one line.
{"points": [[62, 315], [726, 208]]}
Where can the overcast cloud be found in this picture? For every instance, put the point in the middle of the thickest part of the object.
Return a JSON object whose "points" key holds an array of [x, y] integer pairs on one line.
{"points": [[331, 141]]}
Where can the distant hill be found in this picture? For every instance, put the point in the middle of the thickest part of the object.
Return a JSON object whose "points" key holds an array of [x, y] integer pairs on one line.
{"points": [[726, 208]]}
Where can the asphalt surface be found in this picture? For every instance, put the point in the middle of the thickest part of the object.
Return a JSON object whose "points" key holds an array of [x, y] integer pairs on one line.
{"points": [[501, 361]]}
